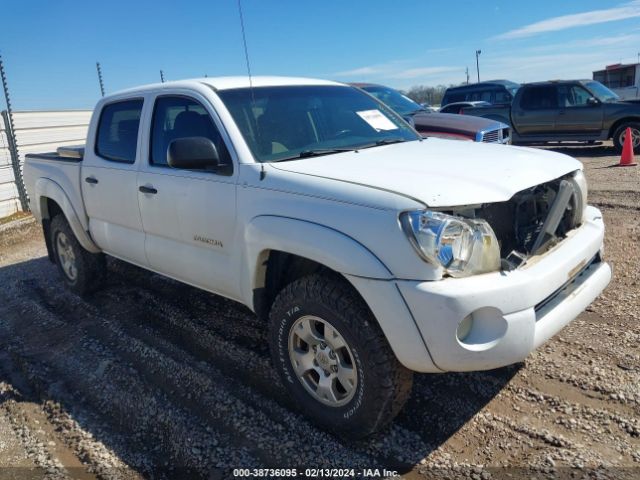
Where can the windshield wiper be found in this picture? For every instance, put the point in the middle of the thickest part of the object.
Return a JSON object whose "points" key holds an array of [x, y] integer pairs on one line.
{"points": [[384, 141], [316, 152]]}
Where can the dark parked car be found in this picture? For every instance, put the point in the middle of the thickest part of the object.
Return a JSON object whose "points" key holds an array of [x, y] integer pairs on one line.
{"points": [[566, 110], [496, 92], [457, 106], [443, 125]]}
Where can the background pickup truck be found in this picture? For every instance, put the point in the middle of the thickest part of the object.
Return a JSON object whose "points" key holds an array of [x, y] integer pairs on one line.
{"points": [[568, 110], [367, 251]]}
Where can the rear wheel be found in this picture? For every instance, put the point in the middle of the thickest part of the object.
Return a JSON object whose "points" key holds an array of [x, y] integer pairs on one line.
{"points": [[620, 135], [333, 357], [82, 271]]}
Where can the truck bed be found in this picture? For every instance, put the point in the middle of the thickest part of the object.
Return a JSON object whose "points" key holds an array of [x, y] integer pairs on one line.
{"points": [[51, 170], [52, 156]]}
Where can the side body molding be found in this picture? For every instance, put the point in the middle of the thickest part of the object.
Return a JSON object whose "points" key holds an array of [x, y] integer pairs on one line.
{"points": [[47, 188]]}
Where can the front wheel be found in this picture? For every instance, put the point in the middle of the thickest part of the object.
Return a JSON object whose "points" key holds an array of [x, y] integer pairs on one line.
{"points": [[620, 134], [333, 357]]}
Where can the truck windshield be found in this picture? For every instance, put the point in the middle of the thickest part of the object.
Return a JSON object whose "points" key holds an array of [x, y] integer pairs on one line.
{"points": [[601, 92], [289, 122]]}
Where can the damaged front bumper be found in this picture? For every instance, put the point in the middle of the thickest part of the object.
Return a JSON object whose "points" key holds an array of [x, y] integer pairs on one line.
{"points": [[496, 319]]}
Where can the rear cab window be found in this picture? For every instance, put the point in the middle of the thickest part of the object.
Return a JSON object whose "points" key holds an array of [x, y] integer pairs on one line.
{"points": [[117, 137]]}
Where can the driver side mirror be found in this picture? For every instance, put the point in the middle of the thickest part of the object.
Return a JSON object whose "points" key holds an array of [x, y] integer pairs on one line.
{"points": [[593, 101], [195, 153]]}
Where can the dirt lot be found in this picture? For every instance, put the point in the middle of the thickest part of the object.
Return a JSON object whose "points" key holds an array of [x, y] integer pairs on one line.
{"points": [[151, 377]]}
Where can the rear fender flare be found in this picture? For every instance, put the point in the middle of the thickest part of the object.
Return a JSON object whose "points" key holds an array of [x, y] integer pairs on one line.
{"points": [[48, 189]]}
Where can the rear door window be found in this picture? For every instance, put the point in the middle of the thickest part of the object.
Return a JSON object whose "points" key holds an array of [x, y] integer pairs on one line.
{"points": [[539, 98], [117, 138]]}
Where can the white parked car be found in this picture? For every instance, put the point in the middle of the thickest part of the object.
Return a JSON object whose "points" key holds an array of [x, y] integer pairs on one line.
{"points": [[369, 251]]}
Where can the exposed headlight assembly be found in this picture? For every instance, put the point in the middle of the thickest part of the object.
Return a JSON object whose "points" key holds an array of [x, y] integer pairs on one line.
{"points": [[461, 246]]}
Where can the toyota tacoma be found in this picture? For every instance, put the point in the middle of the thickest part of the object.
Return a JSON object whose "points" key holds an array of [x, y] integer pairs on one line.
{"points": [[369, 252]]}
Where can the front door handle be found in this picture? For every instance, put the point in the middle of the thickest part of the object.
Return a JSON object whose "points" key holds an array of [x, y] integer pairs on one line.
{"points": [[150, 190], [91, 180]]}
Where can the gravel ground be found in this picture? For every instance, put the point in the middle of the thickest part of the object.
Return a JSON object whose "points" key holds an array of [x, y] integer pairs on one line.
{"points": [[149, 377]]}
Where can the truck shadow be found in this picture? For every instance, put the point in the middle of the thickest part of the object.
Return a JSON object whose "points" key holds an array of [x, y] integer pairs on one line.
{"points": [[168, 376], [585, 151]]}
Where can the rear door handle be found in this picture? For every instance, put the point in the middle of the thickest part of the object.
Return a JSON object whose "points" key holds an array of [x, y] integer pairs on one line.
{"points": [[91, 180], [150, 190]]}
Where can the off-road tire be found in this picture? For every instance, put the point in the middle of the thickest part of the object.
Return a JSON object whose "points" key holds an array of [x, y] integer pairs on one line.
{"points": [[617, 141], [90, 267], [383, 384]]}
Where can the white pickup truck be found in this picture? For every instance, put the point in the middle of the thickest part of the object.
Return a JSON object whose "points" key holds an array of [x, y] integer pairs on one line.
{"points": [[369, 251]]}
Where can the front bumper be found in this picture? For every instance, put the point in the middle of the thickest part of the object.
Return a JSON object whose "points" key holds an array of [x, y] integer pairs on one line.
{"points": [[513, 312]]}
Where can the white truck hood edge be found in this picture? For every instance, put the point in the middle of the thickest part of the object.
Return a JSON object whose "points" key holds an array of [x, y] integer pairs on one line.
{"points": [[441, 173]]}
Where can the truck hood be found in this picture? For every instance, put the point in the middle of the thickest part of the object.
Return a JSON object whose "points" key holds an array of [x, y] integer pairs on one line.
{"points": [[441, 173], [448, 122]]}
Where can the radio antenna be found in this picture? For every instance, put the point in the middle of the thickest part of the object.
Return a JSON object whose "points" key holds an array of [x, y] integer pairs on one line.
{"points": [[246, 50], [246, 57]]}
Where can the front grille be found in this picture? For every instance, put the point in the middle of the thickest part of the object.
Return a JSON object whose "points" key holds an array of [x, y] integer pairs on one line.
{"points": [[519, 221], [492, 136]]}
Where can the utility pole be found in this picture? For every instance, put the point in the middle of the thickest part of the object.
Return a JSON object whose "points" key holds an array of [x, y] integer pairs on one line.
{"points": [[100, 78], [467, 73], [478, 52], [161, 76]]}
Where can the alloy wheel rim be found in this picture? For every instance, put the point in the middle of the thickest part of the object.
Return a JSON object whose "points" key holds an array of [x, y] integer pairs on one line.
{"points": [[635, 137], [66, 256], [322, 361]]}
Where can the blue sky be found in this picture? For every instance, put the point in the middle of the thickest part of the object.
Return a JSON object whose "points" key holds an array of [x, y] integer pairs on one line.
{"points": [[50, 48]]}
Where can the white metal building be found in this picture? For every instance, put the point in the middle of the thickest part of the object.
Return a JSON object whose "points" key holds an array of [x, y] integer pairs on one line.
{"points": [[36, 131], [622, 79]]}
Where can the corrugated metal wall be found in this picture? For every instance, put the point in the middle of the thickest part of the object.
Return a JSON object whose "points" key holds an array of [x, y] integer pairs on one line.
{"points": [[37, 132], [9, 201]]}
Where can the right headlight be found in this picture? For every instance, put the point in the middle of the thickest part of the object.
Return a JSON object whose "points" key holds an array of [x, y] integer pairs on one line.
{"points": [[461, 246]]}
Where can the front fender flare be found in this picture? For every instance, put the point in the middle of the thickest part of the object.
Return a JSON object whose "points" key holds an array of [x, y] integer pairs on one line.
{"points": [[48, 189], [313, 241]]}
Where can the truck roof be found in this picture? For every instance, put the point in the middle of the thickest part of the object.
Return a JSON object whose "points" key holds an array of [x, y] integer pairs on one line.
{"points": [[549, 82], [471, 86], [226, 83]]}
